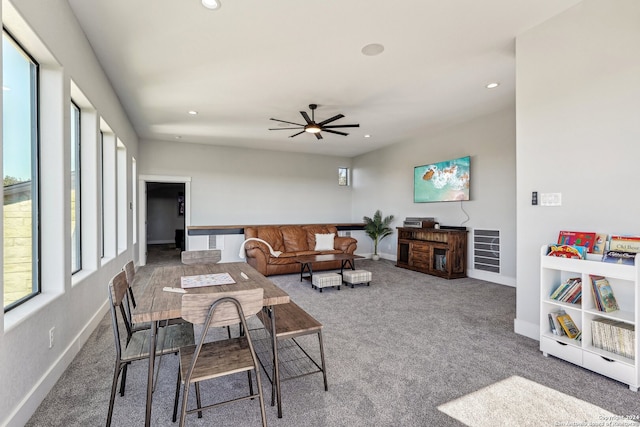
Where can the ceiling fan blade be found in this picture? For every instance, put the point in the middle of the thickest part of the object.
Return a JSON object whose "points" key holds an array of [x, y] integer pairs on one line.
{"points": [[332, 119], [284, 121], [296, 134], [335, 131], [318, 136], [340, 126], [306, 117], [300, 127]]}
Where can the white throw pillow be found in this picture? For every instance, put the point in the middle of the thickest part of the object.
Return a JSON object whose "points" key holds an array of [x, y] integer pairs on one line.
{"points": [[324, 242]]}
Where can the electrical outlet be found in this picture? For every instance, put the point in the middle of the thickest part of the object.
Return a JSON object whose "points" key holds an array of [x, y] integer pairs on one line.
{"points": [[51, 337]]}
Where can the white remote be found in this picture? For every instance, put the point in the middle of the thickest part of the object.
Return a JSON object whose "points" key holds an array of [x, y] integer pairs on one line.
{"points": [[176, 290], [244, 275]]}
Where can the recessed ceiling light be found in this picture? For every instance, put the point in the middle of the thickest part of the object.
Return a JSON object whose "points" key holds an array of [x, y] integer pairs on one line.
{"points": [[212, 4], [367, 136], [493, 85], [193, 112], [178, 137], [372, 49]]}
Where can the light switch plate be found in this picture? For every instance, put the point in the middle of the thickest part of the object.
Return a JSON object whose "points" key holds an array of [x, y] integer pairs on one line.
{"points": [[551, 199]]}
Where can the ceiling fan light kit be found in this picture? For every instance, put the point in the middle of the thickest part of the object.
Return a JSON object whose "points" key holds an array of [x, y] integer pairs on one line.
{"points": [[212, 4], [315, 128]]}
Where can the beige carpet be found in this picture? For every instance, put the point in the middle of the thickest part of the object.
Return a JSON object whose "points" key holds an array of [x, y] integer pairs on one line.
{"points": [[517, 401]]}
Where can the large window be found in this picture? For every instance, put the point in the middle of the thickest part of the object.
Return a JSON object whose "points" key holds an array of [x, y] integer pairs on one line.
{"points": [[101, 178], [76, 249], [20, 169]]}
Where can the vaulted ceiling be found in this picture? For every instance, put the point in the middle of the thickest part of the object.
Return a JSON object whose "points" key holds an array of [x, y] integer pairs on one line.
{"points": [[252, 60]]}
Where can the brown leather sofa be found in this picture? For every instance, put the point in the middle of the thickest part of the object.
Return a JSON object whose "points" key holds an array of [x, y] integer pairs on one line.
{"points": [[292, 241]]}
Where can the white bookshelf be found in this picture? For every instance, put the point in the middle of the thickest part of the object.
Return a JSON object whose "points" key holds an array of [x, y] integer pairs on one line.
{"points": [[624, 280]]}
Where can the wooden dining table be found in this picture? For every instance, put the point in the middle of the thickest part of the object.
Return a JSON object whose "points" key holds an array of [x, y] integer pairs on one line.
{"points": [[155, 304]]}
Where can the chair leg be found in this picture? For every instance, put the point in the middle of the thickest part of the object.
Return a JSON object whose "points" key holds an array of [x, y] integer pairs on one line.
{"points": [[198, 401], [123, 380], [114, 384], [175, 401], [324, 368], [260, 396], [250, 382], [183, 409]]}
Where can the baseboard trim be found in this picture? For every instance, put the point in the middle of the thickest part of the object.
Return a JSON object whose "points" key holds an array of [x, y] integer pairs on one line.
{"points": [[492, 277], [29, 404], [160, 242]]}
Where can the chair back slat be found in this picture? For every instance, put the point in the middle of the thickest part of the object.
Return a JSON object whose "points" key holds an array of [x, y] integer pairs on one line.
{"points": [[208, 256], [196, 307], [118, 286], [130, 272]]}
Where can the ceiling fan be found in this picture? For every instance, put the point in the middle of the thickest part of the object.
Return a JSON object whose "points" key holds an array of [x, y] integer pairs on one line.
{"points": [[315, 128]]}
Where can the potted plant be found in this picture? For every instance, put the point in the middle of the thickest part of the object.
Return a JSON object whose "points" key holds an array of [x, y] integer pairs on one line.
{"points": [[377, 228]]}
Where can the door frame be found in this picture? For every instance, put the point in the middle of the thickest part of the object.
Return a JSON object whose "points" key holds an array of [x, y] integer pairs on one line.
{"points": [[142, 214]]}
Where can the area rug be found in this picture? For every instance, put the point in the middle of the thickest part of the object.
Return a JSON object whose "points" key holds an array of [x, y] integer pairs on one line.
{"points": [[517, 401]]}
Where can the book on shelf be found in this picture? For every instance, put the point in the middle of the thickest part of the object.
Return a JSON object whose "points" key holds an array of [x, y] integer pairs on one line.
{"points": [[613, 336], [599, 245], [603, 294], [618, 257], [577, 238], [554, 324], [568, 326], [567, 251], [624, 244], [568, 291]]}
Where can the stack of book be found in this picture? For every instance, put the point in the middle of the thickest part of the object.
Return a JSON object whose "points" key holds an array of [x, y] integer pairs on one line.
{"points": [[622, 250], [614, 336], [603, 297], [568, 291], [562, 324]]}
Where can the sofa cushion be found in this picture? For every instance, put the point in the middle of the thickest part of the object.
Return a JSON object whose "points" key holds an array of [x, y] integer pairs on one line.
{"points": [[294, 238], [273, 235], [312, 230]]}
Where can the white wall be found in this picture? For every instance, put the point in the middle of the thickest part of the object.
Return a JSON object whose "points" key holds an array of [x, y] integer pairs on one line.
{"points": [[28, 368], [383, 180], [236, 186], [578, 133]]}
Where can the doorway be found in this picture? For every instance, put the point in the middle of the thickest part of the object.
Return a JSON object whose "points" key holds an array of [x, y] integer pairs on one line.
{"points": [[164, 212]]}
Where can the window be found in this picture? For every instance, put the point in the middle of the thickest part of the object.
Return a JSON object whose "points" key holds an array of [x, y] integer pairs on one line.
{"points": [[343, 176], [76, 217], [20, 167], [101, 186]]}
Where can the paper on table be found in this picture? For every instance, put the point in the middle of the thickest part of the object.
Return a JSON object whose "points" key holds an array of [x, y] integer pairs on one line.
{"points": [[206, 280]]}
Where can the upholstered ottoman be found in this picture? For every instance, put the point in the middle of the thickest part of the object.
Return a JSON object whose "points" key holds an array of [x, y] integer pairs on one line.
{"points": [[354, 277], [324, 280]]}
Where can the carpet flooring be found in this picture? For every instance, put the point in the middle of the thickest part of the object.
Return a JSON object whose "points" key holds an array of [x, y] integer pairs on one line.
{"points": [[395, 350]]}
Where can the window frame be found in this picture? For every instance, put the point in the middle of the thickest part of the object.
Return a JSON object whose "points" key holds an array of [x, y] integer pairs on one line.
{"points": [[36, 267], [347, 181], [76, 265]]}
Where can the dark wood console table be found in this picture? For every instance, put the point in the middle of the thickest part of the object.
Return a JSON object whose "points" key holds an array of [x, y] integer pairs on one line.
{"points": [[439, 252]]}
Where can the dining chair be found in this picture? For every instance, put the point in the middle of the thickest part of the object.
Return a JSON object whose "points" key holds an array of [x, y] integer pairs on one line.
{"points": [[134, 345], [223, 357], [207, 256], [291, 321]]}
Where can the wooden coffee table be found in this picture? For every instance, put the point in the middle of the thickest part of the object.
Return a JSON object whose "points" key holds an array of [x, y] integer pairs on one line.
{"points": [[306, 262]]}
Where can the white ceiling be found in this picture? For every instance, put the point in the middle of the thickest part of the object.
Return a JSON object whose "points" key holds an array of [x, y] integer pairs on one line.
{"points": [[256, 59]]}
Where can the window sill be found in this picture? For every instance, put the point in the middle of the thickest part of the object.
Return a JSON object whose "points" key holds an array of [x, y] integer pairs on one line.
{"points": [[27, 309]]}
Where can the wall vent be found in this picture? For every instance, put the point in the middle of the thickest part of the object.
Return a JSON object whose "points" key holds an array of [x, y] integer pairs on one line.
{"points": [[486, 250], [213, 241]]}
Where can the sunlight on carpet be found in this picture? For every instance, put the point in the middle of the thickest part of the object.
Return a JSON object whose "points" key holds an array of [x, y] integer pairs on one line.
{"points": [[517, 401]]}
